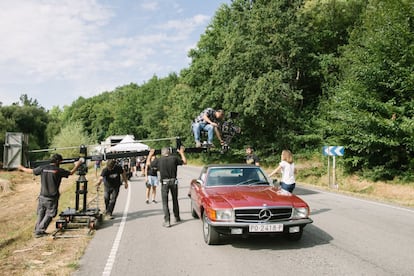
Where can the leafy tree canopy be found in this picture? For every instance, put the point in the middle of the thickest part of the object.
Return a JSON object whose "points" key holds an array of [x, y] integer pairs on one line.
{"points": [[301, 73]]}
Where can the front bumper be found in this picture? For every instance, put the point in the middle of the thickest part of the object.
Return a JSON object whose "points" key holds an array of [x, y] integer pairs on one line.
{"points": [[236, 228]]}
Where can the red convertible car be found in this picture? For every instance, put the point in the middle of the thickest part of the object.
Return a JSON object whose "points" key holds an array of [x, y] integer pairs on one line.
{"points": [[240, 199]]}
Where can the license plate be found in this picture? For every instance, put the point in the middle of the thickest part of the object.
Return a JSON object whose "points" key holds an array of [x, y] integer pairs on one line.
{"points": [[265, 227]]}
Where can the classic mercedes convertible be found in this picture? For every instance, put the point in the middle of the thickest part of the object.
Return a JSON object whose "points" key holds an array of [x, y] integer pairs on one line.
{"points": [[240, 199]]}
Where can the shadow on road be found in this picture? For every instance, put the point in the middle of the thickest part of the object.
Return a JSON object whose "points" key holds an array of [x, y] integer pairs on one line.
{"points": [[299, 191], [131, 216], [312, 237]]}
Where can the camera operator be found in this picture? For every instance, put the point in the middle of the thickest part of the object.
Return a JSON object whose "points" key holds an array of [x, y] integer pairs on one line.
{"points": [[111, 176], [50, 179], [209, 121]]}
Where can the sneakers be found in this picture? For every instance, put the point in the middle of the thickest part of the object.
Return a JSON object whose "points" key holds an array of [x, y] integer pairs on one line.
{"points": [[205, 145], [167, 224], [154, 201], [147, 201], [40, 234], [109, 216]]}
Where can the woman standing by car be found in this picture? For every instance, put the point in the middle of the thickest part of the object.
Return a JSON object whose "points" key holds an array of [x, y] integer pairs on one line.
{"points": [[287, 168]]}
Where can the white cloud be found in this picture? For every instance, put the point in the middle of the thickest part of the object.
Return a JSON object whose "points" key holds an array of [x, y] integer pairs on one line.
{"points": [[150, 6], [83, 47], [49, 40], [187, 24]]}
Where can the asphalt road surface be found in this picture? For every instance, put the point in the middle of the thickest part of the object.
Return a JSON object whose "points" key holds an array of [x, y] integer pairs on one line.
{"points": [[349, 236]]}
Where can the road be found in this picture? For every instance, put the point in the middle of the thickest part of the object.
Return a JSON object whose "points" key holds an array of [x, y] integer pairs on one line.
{"points": [[349, 236]]}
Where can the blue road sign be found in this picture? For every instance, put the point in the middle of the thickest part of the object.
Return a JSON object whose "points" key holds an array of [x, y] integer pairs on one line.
{"points": [[333, 150]]}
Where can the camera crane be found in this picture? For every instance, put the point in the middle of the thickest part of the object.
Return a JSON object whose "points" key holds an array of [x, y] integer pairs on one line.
{"points": [[81, 215], [90, 217]]}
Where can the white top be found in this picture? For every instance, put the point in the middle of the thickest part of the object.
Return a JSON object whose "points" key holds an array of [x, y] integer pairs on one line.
{"points": [[288, 172]]}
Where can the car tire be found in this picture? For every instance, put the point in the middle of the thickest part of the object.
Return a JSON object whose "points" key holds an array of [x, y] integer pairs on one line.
{"points": [[211, 236], [193, 212], [295, 236]]}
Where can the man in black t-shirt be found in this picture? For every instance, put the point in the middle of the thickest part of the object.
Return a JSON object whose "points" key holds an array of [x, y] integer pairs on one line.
{"points": [[167, 166], [111, 176], [251, 158], [50, 178]]}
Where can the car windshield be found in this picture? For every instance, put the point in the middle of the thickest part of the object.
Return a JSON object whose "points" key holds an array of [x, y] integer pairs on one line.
{"points": [[235, 176]]}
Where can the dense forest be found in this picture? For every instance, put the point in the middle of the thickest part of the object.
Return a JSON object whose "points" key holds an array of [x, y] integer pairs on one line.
{"points": [[301, 73]]}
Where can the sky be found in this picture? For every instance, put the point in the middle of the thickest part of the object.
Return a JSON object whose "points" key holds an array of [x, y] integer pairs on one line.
{"points": [[55, 51]]}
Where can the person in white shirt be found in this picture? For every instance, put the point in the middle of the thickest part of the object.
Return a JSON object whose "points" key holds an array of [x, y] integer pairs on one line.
{"points": [[287, 168]]}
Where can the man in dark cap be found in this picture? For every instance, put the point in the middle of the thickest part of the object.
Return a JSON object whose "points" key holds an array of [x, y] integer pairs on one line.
{"points": [[50, 179], [111, 176]]}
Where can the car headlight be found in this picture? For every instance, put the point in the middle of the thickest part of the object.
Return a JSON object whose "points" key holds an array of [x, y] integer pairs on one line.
{"points": [[300, 213], [222, 215]]}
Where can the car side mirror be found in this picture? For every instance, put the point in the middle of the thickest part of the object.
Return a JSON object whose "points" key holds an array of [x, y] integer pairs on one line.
{"points": [[275, 182]]}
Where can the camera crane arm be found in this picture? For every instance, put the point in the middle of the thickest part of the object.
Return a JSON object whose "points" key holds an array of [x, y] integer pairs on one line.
{"points": [[116, 155]]}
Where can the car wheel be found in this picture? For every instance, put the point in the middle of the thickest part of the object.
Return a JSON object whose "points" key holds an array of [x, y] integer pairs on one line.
{"points": [[295, 236], [193, 212], [211, 236]]}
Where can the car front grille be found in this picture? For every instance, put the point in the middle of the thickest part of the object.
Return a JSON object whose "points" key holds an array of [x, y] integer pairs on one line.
{"points": [[263, 214]]}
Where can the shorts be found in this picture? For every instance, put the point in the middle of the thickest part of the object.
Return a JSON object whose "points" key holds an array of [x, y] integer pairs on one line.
{"points": [[287, 187], [153, 181]]}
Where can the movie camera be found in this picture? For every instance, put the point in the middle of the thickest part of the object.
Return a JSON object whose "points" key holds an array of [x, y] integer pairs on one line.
{"points": [[228, 130], [83, 168]]}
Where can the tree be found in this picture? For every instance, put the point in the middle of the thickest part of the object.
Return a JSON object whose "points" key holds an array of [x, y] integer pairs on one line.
{"points": [[55, 123], [26, 101], [70, 138], [371, 109], [245, 62], [29, 119], [126, 111]]}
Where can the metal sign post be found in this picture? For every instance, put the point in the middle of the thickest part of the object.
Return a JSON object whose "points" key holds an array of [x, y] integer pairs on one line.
{"points": [[335, 185], [332, 151], [329, 171]]}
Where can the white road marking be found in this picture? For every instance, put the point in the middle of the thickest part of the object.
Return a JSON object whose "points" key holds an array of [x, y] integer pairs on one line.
{"points": [[111, 259]]}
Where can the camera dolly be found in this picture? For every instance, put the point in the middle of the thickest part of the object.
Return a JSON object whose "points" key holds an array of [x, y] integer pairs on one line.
{"points": [[74, 218]]}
